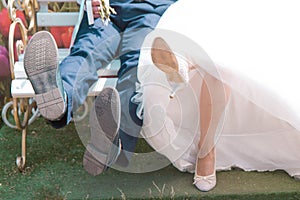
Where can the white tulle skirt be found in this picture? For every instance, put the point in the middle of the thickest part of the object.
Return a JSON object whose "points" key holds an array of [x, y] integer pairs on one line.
{"points": [[254, 47]]}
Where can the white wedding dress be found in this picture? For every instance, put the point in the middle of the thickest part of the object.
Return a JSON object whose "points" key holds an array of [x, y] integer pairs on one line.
{"points": [[255, 48]]}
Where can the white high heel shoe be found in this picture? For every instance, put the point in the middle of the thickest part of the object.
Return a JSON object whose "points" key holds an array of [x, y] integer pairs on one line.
{"points": [[175, 67], [205, 183]]}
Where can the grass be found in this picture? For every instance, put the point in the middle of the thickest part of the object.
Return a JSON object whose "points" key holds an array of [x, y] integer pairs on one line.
{"points": [[54, 168], [54, 171]]}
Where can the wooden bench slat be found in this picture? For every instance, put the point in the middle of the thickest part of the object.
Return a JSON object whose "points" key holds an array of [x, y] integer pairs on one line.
{"points": [[105, 72], [22, 88], [62, 53], [19, 70], [57, 19]]}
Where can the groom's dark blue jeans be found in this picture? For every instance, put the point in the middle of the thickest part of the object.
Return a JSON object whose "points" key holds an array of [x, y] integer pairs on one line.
{"points": [[97, 45]]}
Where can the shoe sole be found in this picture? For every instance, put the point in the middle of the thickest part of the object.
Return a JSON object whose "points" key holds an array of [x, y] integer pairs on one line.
{"points": [[105, 122], [40, 63], [165, 60]]}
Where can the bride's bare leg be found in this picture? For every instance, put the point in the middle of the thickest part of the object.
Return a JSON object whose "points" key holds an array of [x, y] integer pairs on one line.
{"points": [[213, 99], [205, 165]]}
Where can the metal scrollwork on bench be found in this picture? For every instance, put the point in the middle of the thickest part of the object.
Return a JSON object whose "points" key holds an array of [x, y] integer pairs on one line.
{"points": [[23, 109]]}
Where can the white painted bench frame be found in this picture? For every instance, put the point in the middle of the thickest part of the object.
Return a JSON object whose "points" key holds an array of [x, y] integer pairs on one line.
{"points": [[23, 105]]}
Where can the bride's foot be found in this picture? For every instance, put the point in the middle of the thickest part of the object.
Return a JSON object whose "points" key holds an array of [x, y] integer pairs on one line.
{"points": [[205, 173], [175, 68]]}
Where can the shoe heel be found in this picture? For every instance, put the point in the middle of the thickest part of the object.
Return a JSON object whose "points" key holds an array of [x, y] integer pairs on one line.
{"points": [[51, 104], [175, 87]]}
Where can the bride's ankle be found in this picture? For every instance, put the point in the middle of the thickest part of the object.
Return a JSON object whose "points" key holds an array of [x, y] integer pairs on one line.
{"points": [[206, 165]]}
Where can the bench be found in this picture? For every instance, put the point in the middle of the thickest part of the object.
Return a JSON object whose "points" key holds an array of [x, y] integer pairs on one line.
{"points": [[22, 106]]}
